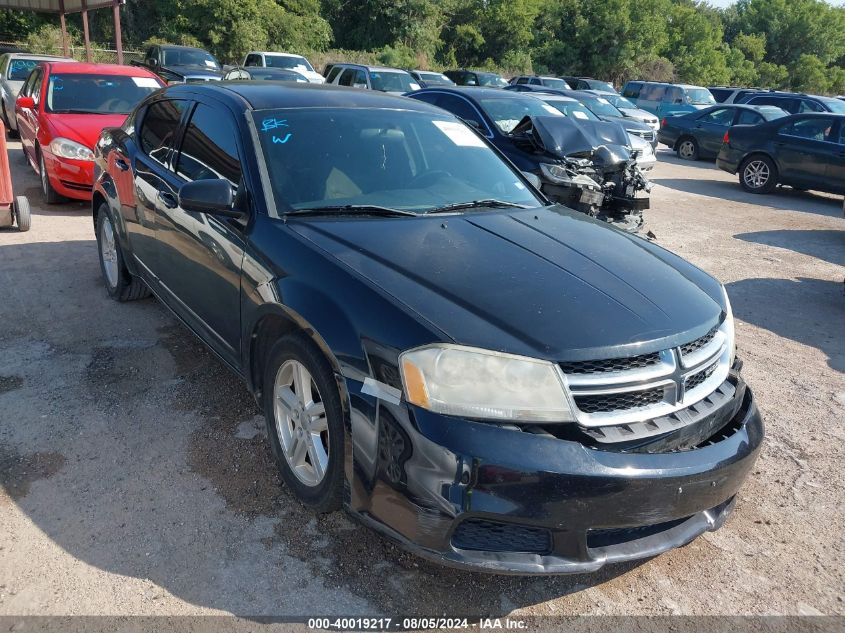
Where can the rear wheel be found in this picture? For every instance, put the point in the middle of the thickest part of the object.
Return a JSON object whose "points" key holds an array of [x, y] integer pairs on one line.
{"points": [[688, 148], [50, 194], [23, 217], [7, 122], [120, 283], [305, 422], [758, 174]]}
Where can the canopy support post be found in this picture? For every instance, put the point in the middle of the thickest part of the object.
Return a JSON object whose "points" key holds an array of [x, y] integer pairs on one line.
{"points": [[65, 50], [118, 35], [85, 33]]}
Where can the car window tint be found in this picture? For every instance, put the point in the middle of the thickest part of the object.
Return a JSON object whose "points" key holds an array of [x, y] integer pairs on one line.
{"points": [[19, 69], [816, 129], [348, 77], [805, 105], [26, 91], [748, 117], [209, 149], [253, 60], [722, 116], [522, 81], [36, 85], [159, 127], [674, 95], [334, 72], [459, 107]]}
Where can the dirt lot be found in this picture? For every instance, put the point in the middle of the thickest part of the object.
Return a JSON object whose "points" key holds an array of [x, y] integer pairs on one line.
{"points": [[135, 478]]}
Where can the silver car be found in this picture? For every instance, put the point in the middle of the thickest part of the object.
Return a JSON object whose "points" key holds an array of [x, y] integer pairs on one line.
{"points": [[626, 107], [14, 69]]}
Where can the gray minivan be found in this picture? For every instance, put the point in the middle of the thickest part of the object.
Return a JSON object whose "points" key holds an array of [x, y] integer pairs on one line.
{"points": [[662, 99]]}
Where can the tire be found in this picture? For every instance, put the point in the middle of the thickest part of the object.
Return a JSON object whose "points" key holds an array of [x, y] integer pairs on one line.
{"points": [[11, 133], [758, 174], [688, 148], [50, 194], [299, 440], [120, 283], [23, 216]]}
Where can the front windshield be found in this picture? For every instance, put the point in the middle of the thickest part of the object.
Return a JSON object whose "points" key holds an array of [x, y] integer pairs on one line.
{"points": [[494, 81], [573, 110], [600, 106], [399, 159], [189, 57], [835, 105], [557, 84], [290, 62], [391, 81], [508, 112], [268, 74], [436, 79], [700, 96], [97, 94], [620, 102], [19, 69]]}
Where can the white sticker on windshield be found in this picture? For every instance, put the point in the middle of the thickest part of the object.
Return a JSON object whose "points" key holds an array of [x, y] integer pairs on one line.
{"points": [[146, 82], [603, 100], [550, 109], [414, 86], [459, 133], [579, 115], [210, 63]]}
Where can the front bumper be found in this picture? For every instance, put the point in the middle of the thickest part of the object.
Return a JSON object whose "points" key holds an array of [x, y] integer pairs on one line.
{"points": [[70, 178], [471, 494]]}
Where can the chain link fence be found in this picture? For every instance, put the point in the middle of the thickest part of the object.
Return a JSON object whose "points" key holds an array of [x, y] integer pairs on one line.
{"points": [[99, 54]]}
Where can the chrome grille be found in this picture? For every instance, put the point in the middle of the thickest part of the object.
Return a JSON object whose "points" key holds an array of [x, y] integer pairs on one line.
{"points": [[622, 399], [611, 364], [619, 401]]}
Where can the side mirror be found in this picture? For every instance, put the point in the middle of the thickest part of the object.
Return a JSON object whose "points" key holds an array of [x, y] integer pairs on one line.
{"points": [[209, 196], [534, 179], [474, 124], [25, 103]]}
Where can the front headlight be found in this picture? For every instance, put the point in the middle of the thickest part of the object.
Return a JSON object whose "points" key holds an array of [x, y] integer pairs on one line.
{"points": [[70, 149], [477, 383], [728, 327]]}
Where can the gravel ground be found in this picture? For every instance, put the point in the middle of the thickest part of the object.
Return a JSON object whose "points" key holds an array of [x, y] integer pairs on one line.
{"points": [[135, 477]]}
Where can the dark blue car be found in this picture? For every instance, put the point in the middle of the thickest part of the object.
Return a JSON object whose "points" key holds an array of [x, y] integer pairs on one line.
{"points": [[489, 380], [699, 134]]}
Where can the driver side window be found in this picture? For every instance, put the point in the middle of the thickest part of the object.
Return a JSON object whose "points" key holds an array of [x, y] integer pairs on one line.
{"points": [[159, 128]]}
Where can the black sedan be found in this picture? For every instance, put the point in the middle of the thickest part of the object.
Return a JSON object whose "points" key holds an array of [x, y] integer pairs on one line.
{"points": [[490, 381], [804, 151], [254, 73], [699, 134]]}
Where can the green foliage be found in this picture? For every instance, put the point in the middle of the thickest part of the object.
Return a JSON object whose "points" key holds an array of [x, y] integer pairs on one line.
{"points": [[772, 43]]}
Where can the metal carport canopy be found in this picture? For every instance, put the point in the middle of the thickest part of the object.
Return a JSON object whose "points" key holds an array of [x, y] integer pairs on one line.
{"points": [[63, 7]]}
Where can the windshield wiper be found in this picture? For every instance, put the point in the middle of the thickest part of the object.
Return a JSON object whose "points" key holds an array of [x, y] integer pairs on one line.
{"points": [[351, 209], [477, 204]]}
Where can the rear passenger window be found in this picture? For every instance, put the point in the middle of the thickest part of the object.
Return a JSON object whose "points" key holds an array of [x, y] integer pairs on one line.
{"points": [[209, 149], [816, 129], [723, 116], [809, 106], [253, 60], [347, 77], [747, 117], [158, 129], [334, 72], [522, 81]]}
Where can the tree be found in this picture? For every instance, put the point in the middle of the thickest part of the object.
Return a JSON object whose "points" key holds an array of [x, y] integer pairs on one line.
{"points": [[810, 74], [695, 43]]}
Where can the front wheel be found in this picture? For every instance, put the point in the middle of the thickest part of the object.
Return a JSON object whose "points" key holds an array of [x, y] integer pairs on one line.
{"points": [[51, 196], [758, 174], [305, 422], [120, 283]]}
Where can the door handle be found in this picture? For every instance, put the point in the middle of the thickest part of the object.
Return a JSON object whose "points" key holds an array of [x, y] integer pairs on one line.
{"points": [[167, 199], [121, 164]]}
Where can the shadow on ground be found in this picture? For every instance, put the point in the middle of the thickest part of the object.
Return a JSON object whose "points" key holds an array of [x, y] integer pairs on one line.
{"points": [[783, 198], [788, 308], [827, 245], [136, 451]]}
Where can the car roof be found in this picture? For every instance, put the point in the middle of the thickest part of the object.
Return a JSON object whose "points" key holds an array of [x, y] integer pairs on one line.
{"points": [[430, 72], [68, 68], [279, 53], [376, 68], [187, 48], [548, 96], [262, 95], [37, 57], [477, 92]]}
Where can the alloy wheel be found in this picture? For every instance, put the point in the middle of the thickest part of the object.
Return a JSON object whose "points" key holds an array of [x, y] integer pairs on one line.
{"points": [[108, 251], [686, 150], [301, 423], [756, 174]]}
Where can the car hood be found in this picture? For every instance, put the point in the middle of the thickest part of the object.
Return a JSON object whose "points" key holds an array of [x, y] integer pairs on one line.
{"points": [[548, 283], [627, 122], [195, 71], [82, 128], [563, 136], [639, 115]]}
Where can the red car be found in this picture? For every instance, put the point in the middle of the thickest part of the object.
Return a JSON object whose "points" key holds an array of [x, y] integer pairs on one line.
{"points": [[61, 110]]}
